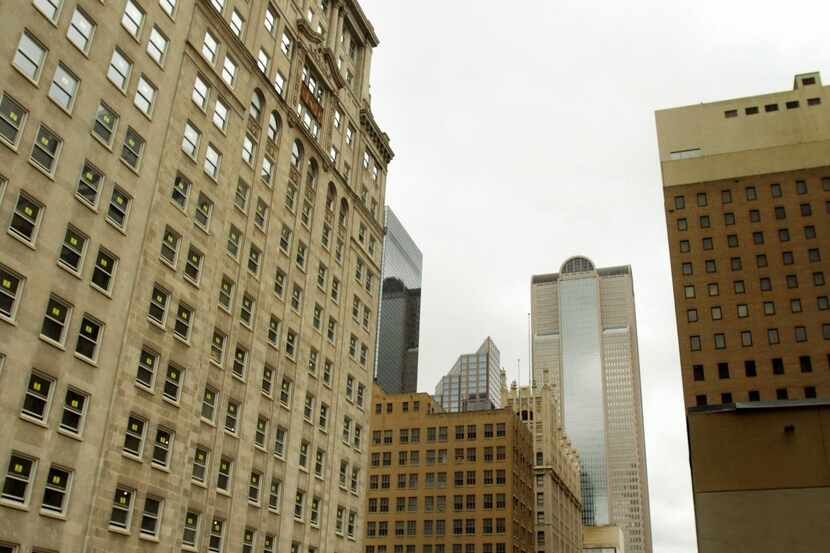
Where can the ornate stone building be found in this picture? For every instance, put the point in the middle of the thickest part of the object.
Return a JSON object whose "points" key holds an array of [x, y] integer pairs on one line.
{"points": [[191, 203], [558, 499]]}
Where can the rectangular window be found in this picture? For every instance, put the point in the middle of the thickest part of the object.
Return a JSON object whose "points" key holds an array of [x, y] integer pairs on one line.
{"points": [[217, 347], [191, 139], [229, 69], [220, 115], [74, 409], [30, 56], [38, 397], [173, 383], [11, 290], [134, 436], [89, 338], [106, 123], [162, 447], [151, 517], [56, 490], [190, 535], [209, 401], [157, 45], [223, 478], [193, 265], [73, 250], [147, 363], [213, 159], [203, 212], [56, 320], [217, 536], [232, 417], [80, 31], [64, 87], [133, 18], [133, 149], [12, 118], [119, 70], [122, 507], [158, 305], [46, 150], [201, 459]]}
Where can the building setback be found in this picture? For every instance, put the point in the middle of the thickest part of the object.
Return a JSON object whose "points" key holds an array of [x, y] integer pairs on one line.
{"points": [[447, 482], [746, 186], [400, 310], [191, 199], [476, 381], [558, 506], [584, 333]]}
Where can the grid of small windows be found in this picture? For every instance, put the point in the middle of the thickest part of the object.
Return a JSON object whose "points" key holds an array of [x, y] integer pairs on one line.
{"points": [[779, 263]]}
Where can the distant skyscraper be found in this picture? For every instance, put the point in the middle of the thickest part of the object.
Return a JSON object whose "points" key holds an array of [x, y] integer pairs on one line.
{"points": [[400, 310], [585, 343], [475, 382]]}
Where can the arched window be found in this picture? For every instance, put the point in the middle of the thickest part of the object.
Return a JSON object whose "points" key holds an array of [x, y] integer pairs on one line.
{"points": [[344, 212], [257, 101], [311, 174], [274, 126], [331, 197], [296, 154]]}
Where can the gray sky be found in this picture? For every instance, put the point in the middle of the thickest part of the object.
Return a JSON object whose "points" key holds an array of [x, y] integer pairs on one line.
{"points": [[524, 134]]}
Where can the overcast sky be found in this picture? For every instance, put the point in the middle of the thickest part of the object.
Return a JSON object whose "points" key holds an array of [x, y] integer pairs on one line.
{"points": [[524, 134]]}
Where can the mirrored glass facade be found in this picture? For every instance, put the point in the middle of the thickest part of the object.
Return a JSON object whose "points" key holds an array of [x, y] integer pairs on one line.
{"points": [[584, 336], [396, 368]]}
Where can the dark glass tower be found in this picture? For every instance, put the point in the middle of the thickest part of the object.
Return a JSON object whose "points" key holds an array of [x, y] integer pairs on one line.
{"points": [[396, 369]]}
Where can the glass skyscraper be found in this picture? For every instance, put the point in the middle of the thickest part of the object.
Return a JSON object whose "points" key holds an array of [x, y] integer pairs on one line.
{"points": [[396, 369], [584, 332], [475, 382]]}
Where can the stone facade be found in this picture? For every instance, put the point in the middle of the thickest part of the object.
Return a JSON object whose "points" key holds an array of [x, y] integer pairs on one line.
{"points": [[558, 506], [447, 482], [191, 197]]}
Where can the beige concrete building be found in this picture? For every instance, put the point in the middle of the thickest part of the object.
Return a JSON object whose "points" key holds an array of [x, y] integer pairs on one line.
{"points": [[191, 197], [444, 482], [603, 539], [747, 193], [558, 506], [584, 332]]}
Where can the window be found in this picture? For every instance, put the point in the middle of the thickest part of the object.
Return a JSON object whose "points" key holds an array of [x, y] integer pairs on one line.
{"points": [[190, 536], [12, 118], [285, 44], [279, 442], [119, 70], [204, 210], [237, 23], [223, 478], [133, 148], [74, 406], [800, 334], [209, 402], [73, 250], [157, 46], [234, 239], [133, 18], [200, 93], [209, 47], [201, 458], [248, 153], [147, 362], [134, 436], [190, 140], [151, 517], [274, 495], [89, 337], [229, 71], [46, 149], [254, 487], [217, 536], [11, 289], [104, 271], [161, 447], [29, 56], [254, 258], [220, 115], [170, 247], [173, 383], [106, 123], [299, 501], [158, 305], [213, 159], [64, 87], [240, 362], [193, 265], [261, 214], [38, 397], [122, 505], [56, 490], [56, 320], [232, 417]]}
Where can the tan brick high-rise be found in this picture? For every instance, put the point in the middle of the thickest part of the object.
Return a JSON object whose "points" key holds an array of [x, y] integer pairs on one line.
{"points": [[747, 196], [558, 506], [191, 198], [447, 482]]}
